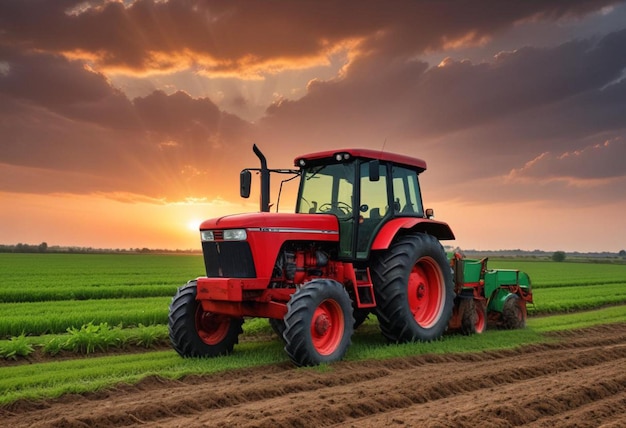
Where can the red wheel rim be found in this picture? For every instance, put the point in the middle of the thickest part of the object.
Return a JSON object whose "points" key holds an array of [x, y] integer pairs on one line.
{"points": [[327, 327], [426, 290], [211, 328], [480, 318]]}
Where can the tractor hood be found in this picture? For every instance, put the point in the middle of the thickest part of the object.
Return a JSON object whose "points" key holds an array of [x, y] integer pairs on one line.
{"points": [[276, 222], [256, 239]]}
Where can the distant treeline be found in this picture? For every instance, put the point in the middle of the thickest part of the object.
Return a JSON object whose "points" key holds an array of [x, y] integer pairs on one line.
{"points": [[45, 248], [537, 254]]}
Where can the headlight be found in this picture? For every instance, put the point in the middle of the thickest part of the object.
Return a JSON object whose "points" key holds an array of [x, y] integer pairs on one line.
{"points": [[235, 235], [207, 235]]}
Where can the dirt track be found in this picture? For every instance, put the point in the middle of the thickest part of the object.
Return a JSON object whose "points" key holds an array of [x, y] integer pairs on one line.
{"points": [[581, 381]]}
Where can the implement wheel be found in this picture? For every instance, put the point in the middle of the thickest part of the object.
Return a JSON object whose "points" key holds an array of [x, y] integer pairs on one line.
{"points": [[481, 316], [514, 313], [414, 289], [318, 323], [474, 317], [197, 333]]}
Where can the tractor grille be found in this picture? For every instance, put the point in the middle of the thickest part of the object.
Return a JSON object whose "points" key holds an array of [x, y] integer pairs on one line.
{"points": [[228, 259]]}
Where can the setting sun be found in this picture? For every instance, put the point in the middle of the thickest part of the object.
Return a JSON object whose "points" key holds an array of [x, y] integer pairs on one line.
{"points": [[194, 225]]}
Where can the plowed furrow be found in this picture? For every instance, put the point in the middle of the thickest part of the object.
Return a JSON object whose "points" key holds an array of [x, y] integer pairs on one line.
{"points": [[401, 389], [604, 412], [552, 400], [544, 385]]}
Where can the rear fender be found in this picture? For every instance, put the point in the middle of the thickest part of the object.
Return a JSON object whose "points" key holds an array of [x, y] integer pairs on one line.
{"points": [[496, 302], [438, 229]]}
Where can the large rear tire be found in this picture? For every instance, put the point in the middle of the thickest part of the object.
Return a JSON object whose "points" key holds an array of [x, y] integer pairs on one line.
{"points": [[414, 289], [197, 333], [278, 326], [318, 323]]}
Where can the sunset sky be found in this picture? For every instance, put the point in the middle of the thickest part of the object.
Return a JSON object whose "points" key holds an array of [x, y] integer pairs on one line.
{"points": [[125, 123]]}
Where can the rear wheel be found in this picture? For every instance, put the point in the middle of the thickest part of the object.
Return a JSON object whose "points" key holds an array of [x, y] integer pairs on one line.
{"points": [[513, 313], [197, 333], [318, 323], [414, 289]]}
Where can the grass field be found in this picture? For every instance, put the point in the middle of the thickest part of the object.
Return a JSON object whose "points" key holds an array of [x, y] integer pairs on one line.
{"points": [[64, 301]]}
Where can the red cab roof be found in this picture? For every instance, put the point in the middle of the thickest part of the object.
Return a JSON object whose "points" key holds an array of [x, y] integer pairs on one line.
{"points": [[366, 154]]}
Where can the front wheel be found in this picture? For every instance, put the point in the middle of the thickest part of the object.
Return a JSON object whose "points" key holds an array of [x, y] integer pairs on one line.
{"points": [[414, 289], [318, 323], [196, 333]]}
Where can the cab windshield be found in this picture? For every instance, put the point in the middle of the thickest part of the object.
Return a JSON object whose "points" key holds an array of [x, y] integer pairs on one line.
{"points": [[327, 189]]}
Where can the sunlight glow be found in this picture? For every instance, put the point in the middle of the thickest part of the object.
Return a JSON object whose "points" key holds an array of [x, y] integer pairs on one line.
{"points": [[194, 224]]}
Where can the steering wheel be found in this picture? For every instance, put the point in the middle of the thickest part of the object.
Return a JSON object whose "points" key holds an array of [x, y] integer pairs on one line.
{"points": [[339, 209]]}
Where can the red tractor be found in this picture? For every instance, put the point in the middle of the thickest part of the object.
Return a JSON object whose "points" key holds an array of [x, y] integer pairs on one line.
{"points": [[360, 241]]}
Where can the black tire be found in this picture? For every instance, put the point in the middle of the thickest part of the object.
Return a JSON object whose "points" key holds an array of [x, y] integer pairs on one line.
{"points": [[414, 289], [196, 333], [513, 314], [318, 323], [360, 315], [467, 308], [473, 316], [278, 326]]}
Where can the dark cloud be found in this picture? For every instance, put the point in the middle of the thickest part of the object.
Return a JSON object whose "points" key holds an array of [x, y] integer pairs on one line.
{"points": [[500, 114], [578, 164], [69, 88], [239, 36], [71, 131]]}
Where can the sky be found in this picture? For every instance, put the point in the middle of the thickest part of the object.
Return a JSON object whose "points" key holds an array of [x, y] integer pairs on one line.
{"points": [[124, 124]]}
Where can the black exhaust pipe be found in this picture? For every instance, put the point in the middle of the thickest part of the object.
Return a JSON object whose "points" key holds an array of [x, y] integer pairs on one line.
{"points": [[265, 180]]}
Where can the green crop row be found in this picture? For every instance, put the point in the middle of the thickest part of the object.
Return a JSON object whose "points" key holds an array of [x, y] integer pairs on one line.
{"points": [[36, 318], [40, 277], [45, 293], [552, 274], [88, 339], [576, 298]]}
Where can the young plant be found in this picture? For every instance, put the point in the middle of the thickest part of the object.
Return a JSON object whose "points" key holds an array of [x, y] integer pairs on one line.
{"points": [[16, 347], [53, 346], [91, 337], [149, 336]]}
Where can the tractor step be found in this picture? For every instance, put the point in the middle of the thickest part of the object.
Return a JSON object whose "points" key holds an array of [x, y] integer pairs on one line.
{"points": [[364, 289]]}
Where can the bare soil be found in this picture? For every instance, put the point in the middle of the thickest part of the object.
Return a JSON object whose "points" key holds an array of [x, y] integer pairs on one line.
{"points": [[578, 381]]}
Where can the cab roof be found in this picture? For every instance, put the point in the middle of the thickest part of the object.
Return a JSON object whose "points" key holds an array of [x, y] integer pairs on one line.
{"points": [[363, 154]]}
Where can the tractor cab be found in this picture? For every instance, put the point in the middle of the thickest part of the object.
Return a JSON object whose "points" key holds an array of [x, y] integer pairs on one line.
{"points": [[364, 189]]}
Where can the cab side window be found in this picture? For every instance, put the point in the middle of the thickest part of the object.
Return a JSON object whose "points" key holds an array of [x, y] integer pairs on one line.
{"points": [[406, 192]]}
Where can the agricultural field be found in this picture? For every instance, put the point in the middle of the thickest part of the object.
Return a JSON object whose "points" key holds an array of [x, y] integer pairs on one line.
{"points": [[73, 324]]}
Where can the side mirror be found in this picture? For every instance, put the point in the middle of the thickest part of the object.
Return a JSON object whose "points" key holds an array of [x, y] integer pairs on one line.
{"points": [[430, 213], [245, 180], [374, 170]]}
